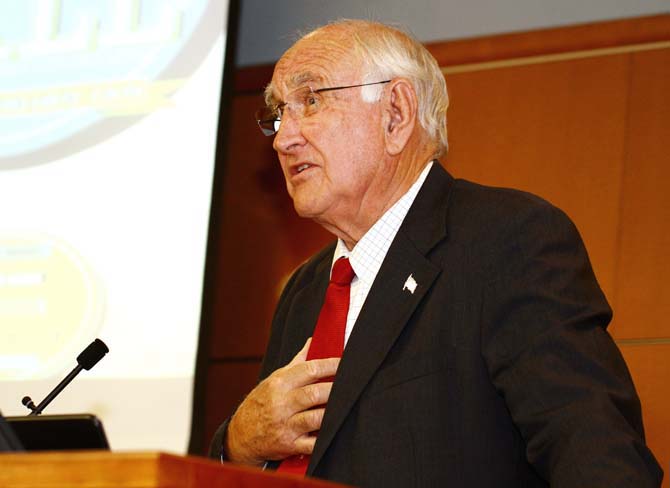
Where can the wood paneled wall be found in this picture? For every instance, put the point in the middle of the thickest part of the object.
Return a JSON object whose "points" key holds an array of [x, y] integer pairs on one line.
{"points": [[578, 115]]}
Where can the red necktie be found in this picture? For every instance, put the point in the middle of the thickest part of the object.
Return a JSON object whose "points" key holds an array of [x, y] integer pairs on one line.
{"points": [[328, 337]]}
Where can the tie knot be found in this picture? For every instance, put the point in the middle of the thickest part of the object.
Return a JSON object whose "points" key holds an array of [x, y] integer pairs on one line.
{"points": [[342, 273]]}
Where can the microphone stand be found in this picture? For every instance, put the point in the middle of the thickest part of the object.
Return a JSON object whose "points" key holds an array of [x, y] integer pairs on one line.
{"points": [[88, 358], [42, 405]]}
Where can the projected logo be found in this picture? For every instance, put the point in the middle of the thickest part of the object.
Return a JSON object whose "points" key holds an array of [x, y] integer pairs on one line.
{"points": [[50, 304], [74, 72]]}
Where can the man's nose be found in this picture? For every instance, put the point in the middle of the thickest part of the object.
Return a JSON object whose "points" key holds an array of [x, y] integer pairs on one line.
{"points": [[289, 136]]}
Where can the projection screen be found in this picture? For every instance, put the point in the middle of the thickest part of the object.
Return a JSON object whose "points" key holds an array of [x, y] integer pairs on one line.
{"points": [[108, 123]]}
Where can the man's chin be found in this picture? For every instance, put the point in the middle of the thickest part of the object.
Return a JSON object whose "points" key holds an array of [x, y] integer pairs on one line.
{"points": [[304, 211], [320, 210], [304, 203]]}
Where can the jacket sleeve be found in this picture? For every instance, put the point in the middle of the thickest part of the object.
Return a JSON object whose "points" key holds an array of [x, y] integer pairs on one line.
{"points": [[562, 376]]}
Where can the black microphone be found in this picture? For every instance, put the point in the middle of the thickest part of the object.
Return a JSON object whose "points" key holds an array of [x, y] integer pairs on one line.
{"points": [[28, 402], [88, 358]]}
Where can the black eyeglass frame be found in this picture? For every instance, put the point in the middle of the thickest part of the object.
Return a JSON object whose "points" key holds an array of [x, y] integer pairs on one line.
{"points": [[264, 124]]}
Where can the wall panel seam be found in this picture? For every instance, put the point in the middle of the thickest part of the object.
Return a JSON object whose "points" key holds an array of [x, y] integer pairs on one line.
{"points": [[553, 58], [652, 341]]}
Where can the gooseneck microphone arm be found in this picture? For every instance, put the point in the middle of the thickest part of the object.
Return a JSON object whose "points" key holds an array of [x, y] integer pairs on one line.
{"points": [[38, 410], [66, 381], [86, 360]]}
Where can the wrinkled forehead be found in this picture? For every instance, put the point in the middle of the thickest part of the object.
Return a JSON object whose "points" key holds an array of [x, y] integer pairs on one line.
{"points": [[316, 61]]}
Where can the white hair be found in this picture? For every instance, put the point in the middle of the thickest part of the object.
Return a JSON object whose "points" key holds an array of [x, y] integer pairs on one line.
{"points": [[389, 53]]}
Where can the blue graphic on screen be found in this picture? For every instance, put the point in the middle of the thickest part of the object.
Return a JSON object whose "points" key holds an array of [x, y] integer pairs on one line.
{"points": [[90, 67]]}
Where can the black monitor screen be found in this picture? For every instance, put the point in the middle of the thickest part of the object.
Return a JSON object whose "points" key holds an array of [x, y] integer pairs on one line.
{"points": [[59, 432]]}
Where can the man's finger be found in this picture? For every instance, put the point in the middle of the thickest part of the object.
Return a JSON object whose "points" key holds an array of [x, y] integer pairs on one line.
{"points": [[311, 395], [311, 371], [305, 444], [307, 421]]}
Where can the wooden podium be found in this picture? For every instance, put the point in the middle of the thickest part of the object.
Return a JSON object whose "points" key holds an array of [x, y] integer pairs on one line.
{"points": [[102, 469]]}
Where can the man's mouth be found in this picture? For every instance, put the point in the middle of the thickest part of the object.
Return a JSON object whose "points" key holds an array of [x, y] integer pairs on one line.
{"points": [[300, 168]]}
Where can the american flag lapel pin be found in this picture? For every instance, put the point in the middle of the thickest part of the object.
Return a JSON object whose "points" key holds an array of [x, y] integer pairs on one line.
{"points": [[410, 284]]}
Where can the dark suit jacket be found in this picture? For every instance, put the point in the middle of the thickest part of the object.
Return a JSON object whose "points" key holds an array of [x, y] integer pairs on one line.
{"points": [[496, 371]]}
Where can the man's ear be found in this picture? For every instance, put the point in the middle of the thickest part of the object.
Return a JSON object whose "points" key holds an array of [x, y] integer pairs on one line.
{"points": [[401, 113]]}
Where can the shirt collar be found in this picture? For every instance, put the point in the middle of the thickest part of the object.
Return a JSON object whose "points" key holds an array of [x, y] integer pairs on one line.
{"points": [[368, 254]]}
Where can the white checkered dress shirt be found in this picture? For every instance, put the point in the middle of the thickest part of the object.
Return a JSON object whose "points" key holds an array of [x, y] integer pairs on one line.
{"points": [[368, 254]]}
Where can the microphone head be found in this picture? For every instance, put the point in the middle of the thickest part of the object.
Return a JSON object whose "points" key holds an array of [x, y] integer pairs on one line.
{"points": [[90, 356]]}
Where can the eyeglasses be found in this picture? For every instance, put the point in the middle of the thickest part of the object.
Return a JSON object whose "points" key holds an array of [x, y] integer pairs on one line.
{"points": [[303, 102]]}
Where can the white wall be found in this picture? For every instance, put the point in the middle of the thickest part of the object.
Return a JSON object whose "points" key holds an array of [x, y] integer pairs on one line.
{"points": [[269, 27]]}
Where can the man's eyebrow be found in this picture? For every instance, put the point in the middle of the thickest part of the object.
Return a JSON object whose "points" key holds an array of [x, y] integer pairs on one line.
{"points": [[295, 81], [305, 78], [269, 96]]}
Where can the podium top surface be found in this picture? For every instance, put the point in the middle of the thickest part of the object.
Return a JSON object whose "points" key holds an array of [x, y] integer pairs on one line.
{"points": [[98, 469]]}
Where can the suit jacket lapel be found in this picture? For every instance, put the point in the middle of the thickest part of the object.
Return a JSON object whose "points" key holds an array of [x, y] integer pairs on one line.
{"points": [[389, 304], [305, 309]]}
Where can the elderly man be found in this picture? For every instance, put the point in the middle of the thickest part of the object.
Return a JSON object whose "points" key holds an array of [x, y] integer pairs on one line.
{"points": [[470, 326]]}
